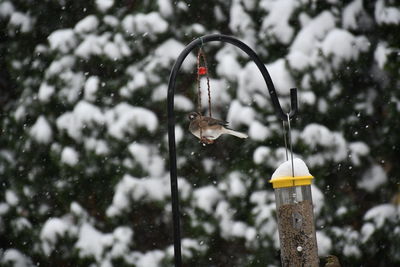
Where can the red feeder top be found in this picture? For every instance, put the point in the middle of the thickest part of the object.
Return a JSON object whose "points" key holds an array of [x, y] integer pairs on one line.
{"points": [[202, 70]]}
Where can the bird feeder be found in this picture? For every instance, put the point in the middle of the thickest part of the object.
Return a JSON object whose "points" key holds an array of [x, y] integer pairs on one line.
{"points": [[294, 208]]}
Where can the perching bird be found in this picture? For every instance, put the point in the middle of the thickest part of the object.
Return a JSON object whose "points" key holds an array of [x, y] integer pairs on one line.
{"points": [[208, 129], [332, 261]]}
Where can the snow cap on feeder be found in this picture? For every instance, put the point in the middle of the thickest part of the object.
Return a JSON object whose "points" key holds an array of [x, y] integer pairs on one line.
{"points": [[289, 175]]}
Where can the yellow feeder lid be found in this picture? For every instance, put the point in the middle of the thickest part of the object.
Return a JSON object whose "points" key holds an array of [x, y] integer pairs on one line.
{"points": [[290, 181]]}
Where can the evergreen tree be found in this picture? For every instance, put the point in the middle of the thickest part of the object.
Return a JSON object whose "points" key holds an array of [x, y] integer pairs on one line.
{"points": [[83, 156]]}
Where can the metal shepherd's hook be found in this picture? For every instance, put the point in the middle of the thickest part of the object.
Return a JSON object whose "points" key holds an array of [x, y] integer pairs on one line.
{"points": [[171, 117]]}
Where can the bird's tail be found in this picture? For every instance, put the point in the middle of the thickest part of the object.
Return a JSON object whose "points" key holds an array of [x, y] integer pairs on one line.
{"points": [[235, 133]]}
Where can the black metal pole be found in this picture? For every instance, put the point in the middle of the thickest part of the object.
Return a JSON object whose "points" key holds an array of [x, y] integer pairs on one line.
{"points": [[171, 118]]}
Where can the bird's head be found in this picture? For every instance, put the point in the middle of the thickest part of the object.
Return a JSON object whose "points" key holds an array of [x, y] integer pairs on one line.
{"points": [[332, 260], [193, 115], [330, 257]]}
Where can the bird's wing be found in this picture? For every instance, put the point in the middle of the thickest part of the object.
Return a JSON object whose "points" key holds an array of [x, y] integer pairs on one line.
{"points": [[194, 126], [211, 121]]}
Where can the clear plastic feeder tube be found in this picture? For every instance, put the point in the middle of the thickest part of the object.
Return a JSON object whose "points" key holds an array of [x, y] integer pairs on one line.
{"points": [[292, 195], [294, 210]]}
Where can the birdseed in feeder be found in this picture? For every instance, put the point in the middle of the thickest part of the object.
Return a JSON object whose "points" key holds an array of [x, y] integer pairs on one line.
{"points": [[292, 186]]}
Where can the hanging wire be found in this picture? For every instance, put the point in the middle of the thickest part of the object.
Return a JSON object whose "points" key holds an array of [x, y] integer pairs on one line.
{"points": [[290, 142], [208, 84], [285, 140], [202, 57], [199, 108]]}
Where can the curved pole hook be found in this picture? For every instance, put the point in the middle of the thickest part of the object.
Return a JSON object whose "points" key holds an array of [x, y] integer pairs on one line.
{"points": [[171, 117]]}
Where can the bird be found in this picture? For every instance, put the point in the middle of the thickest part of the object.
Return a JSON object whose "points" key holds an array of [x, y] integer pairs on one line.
{"points": [[332, 261], [208, 129]]}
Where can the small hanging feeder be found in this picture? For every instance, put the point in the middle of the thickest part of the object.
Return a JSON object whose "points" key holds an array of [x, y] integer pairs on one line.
{"points": [[202, 70], [207, 128], [294, 208]]}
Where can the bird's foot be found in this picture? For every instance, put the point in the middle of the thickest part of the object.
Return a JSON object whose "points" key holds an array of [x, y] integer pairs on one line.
{"points": [[206, 141]]}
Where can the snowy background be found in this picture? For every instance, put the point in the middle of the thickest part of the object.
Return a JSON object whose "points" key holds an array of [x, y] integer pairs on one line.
{"points": [[83, 158]]}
